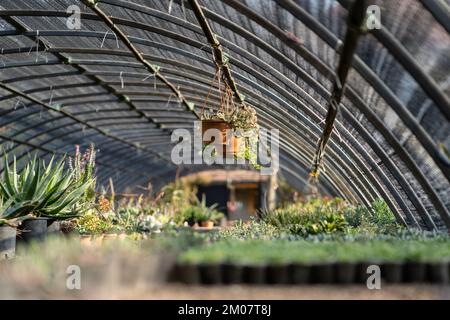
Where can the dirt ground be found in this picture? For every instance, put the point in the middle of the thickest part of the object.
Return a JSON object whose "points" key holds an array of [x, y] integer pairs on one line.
{"points": [[403, 292]]}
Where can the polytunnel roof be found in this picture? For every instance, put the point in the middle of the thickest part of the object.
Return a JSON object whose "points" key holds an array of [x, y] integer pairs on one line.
{"points": [[60, 87]]}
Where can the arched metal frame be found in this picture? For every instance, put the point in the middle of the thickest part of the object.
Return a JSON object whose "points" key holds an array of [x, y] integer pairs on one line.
{"points": [[352, 164]]}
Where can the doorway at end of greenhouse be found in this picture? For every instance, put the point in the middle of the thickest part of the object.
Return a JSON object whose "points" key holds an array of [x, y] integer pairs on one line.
{"points": [[238, 194]]}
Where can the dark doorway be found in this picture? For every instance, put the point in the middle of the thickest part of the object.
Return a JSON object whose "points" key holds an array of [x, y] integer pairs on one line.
{"points": [[215, 194]]}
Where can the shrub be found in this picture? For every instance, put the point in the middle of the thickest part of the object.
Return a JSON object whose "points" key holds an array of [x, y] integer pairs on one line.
{"points": [[310, 218]]}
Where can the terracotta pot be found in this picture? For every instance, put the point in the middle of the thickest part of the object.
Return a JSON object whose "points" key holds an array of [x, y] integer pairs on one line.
{"points": [[207, 224], [86, 239], [233, 142], [98, 240], [110, 236]]}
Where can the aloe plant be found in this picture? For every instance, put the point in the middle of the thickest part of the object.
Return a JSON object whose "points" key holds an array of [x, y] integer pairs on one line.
{"points": [[40, 189], [11, 215]]}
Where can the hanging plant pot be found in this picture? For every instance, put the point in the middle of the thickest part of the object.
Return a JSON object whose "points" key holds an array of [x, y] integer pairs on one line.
{"points": [[34, 229], [7, 242], [229, 144]]}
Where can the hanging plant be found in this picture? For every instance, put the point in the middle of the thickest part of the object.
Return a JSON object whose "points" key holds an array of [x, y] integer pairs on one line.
{"points": [[239, 120]]}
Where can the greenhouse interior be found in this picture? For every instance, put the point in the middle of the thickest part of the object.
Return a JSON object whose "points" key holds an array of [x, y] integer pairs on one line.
{"points": [[225, 149]]}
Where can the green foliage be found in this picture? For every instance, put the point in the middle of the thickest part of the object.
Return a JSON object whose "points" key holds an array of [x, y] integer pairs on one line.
{"points": [[313, 217], [252, 229], [43, 189], [11, 215], [83, 171], [379, 219], [327, 216], [93, 224], [282, 251], [198, 213]]}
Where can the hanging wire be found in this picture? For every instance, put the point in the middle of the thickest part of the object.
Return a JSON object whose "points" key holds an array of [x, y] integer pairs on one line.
{"points": [[169, 9]]}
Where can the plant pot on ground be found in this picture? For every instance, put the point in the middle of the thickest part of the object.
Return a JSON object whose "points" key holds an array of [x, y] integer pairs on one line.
{"points": [[277, 273], [438, 272], [10, 217], [345, 272], [187, 273], [86, 239], [42, 191], [207, 224], [322, 272], [33, 229], [414, 271], [53, 226], [362, 273], [210, 273], [254, 274], [232, 273], [299, 273], [110, 236], [392, 271], [7, 242]]}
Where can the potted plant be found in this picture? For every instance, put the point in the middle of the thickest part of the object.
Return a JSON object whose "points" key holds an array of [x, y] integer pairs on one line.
{"points": [[201, 214], [236, 124], [92, 227], [10, 216], [46, 189]]}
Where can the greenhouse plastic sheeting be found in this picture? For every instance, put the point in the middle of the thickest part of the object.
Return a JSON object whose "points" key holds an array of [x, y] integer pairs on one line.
{"points": [[62, 85]]}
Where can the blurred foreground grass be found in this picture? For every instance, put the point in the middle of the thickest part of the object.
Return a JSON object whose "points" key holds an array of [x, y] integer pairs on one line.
{"points": [[40, 270]]}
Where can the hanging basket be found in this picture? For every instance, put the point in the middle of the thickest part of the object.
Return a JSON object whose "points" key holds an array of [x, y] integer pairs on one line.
{"points": [[232, 141]]}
